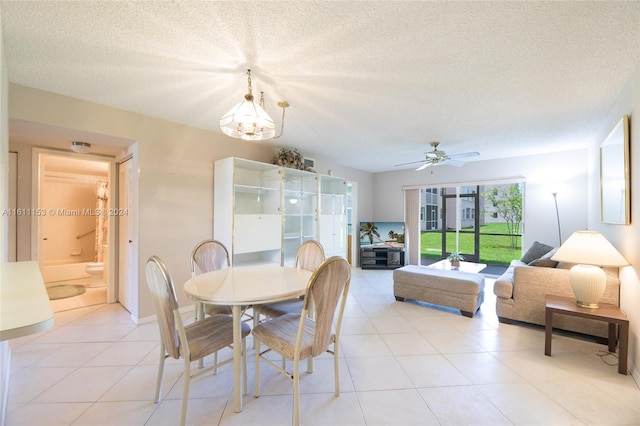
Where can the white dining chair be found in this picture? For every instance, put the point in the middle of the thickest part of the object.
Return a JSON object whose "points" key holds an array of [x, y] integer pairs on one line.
{"points": [[207, 256], [309, 256], [190, 342], [297, 337]]}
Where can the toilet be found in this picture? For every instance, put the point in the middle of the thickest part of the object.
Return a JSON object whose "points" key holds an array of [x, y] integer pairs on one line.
{"points": [[99, 276], [96, 270]]}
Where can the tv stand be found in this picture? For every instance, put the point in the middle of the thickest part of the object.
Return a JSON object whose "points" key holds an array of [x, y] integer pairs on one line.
{"points": [[381, 257]]}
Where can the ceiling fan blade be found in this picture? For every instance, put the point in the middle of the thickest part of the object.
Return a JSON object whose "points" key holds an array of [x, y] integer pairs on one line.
{"points": [[465, 154], [424, 166], [411, 162], [450, 162], [437, 157]]}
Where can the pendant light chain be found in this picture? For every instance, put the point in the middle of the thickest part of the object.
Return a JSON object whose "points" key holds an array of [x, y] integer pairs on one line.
{"points": [[249, 95], [282, 105]]}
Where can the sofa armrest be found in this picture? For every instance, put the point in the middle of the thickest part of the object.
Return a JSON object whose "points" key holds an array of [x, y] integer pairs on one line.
{"points": [[503, 288]]}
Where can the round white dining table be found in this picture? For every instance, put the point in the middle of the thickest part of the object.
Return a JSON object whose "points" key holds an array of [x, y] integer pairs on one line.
{"points": [[24, 309], [245, 285]]}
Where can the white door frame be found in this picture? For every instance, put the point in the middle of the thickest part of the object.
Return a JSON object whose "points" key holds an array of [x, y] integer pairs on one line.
{"points": [[36, 237], [131, 215]]}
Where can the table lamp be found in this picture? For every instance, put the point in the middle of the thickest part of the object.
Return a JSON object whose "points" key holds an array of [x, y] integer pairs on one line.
{"points": [[589, 250]]}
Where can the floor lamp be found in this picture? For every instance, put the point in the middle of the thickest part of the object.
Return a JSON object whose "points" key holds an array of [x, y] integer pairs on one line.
{"points": [[555, 200]]}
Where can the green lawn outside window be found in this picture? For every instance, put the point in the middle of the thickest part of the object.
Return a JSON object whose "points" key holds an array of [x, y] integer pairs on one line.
{"points": [[494, 249]]}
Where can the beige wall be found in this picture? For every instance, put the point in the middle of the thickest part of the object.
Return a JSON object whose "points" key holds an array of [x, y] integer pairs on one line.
{"points": [[175, 174], [625, 238]]}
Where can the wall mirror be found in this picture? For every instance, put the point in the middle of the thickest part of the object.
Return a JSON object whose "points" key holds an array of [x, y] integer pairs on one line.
{"points": [[614, 175]]}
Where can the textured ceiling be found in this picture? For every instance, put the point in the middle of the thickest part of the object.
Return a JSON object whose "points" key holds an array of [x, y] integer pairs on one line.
{"points": [[370, 83]]}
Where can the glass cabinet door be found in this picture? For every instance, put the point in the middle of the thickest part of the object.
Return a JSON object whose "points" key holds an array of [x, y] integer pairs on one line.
{"points": [[256, 187], [333, 215], [300, 206], [257, 220]]}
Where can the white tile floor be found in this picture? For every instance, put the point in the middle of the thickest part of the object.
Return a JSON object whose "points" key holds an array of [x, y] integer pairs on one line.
{"points": [[402, 364]]}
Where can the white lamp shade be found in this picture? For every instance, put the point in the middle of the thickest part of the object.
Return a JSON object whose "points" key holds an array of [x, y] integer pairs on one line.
{"points": [[589, 248], [248, 121]]}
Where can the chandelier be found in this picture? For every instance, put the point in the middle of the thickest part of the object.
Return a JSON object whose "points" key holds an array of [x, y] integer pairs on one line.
{"points": [[248, 120]]}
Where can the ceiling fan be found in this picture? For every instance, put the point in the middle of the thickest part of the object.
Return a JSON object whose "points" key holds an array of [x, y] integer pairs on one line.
{"points": [[438, 157]]}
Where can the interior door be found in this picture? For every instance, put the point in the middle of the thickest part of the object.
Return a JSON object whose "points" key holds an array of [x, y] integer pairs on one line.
{"points": [[126, 281]]}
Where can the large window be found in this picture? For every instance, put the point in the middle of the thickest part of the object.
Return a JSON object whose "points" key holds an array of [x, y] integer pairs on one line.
{"points": [[481, 221]]}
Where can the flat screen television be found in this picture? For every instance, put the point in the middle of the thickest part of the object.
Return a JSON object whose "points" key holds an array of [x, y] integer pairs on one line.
{"points": [[382, 233]]}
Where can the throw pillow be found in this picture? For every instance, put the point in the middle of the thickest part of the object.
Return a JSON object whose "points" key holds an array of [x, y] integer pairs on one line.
{"points": [[546, 261], [543, 263], [536, 251]]}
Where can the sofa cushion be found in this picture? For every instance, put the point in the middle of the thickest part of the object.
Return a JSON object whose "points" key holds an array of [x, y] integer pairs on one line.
{"points": [[565, 265], [545, 261], [536, 251]]}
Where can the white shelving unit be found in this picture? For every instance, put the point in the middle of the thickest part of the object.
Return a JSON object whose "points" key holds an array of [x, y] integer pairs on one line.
{"points": [[246, 210], [264, 212]]}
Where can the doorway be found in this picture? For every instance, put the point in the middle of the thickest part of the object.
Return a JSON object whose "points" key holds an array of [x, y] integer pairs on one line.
{"points": [[73, 226]]}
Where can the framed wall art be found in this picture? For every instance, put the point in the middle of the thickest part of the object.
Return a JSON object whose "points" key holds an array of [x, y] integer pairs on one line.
{"points": [[615, 175]]}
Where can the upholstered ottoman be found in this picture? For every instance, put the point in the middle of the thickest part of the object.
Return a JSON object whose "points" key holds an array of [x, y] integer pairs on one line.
{"points": [[455, 289]]}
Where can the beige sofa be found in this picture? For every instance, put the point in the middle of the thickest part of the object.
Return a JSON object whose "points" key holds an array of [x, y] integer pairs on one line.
{"points": [[521, 290]]}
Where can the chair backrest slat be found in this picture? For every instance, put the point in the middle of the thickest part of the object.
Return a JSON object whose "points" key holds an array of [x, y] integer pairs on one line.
{"points": [[309, 255], [209, 255], [163, 293], [328, 283]]}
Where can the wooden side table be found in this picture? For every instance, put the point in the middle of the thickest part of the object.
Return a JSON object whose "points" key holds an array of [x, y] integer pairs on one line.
{"points": [[606, 312]]}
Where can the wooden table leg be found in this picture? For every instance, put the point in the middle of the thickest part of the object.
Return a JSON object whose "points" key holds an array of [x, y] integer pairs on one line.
{"points": [[548, 327], [237, 355], [624, 348], [613, 338]]}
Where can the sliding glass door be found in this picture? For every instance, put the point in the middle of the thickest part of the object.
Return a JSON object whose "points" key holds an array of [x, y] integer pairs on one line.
{"points": [[482, 222], [461, 222]]}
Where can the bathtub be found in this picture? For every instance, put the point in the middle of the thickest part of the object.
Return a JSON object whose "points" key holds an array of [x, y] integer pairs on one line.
{"points": [[53, 272]]}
